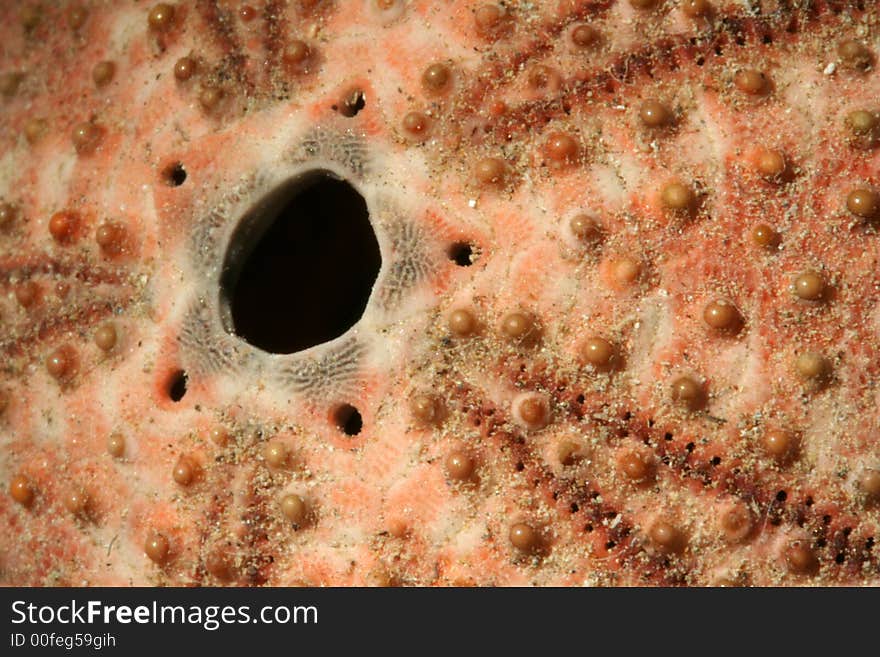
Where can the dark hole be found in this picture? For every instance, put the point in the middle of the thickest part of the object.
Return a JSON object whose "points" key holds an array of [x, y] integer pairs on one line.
{"points": [[781, 496], [869, 543], [667, 436], [821, 543], [460, 253], [353, 103], [177, 386], [627, 416], [700, 60], [349, 420], [520, 466], [580, 399], [719, 51], [175, 174], [840, 558], [809, 501], [847, 531], [716, 460], [826, 520], [767, 39], [610, 545], [300, 269], [690, 447], [588, 527], [574, 508], [740, 41]]}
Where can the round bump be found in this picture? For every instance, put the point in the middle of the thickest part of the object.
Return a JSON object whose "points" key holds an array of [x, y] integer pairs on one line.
{"points": [[217, 563], [519, 327], [750, 81], [666, 537], [643, 5], [34, 129], [569, 452], [561, 147], [415, 124], [4, 401], [812, 366], [585, 228], [219, 436], [677, 197], [157, 548], [61, 363], [8, 213], [862, 122], [116, 445], [436, 78], [160, 17], [696, 8], [459, 465], [103, 72], [626, 271], [110, 237], [722, 315], [634, 466], [598, 352], [736, 523], [533, 411], [524, 537], [688, 393], [21, 490], [490, 20], [106, 336], [863, 202], [276, 454], [185, 68], [800, 558], [63, 226], [294, 509], [9, 83], [809, 285], [247, 13], [779, 444], [462, 323], [297, 57], [210, 97], [76, 17], [86, 138], [655, 114], [27, 293], [490, 171], [854, 54], [543, 78], [185, 471], [770, 163], [764, 236], [77, 502], [869, 483], [426, 409], [584, 36]]}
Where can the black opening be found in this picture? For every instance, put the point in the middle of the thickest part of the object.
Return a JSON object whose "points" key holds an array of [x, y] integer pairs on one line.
{"points": [[352, 104], [349, 420], [460, 253], [300, 269], [175, 174], [177, 386]]}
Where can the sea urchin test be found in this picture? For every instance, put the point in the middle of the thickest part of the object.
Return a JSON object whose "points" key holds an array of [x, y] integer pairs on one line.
{"points": [[440, 293]]}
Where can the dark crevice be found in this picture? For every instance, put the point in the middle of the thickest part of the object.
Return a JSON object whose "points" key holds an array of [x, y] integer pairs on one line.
{"points": [[301, 266], [177, 386]]}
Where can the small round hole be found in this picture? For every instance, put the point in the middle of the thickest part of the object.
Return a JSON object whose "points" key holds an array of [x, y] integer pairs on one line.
{"points": [[174, 174], [461, 253], [348, 419], [353, 103], [177, 386]]}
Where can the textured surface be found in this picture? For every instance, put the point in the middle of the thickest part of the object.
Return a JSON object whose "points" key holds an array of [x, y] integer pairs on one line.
{"points": [[609, 184]]}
